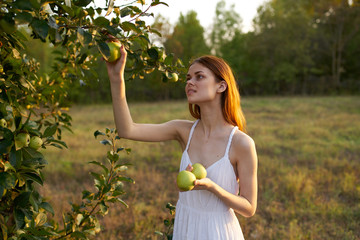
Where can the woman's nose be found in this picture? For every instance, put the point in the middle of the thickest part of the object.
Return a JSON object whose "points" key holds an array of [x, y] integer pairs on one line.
{"points": [[189, 82]]}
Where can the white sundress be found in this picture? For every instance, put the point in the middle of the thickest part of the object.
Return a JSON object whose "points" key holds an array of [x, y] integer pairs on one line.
{"points": [[200, 214]]}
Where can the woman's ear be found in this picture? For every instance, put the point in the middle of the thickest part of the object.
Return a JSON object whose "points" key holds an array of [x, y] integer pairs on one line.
{"points": [[222, 86]]}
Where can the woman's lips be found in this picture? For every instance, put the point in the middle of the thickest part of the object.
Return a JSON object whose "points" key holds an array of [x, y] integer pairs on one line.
{"points": [[190, 91]]}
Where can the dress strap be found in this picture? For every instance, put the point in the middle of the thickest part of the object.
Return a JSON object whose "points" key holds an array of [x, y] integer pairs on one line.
{"points": [[230, 139], [191, 133]]}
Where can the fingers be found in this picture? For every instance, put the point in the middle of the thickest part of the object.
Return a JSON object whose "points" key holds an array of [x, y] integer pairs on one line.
{"points": [[189, 168]]}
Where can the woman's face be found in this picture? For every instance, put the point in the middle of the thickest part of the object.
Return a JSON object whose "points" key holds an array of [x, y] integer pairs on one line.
{"points": [[201, 85]]}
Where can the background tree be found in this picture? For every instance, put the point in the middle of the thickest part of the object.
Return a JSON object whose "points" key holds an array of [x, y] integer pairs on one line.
{"points": [[187, 40], [227, 24]]}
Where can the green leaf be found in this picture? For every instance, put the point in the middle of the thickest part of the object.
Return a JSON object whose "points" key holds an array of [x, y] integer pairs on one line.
{"points": [[101, 165], [49, 140], [23, 17], [34, 177], [7, 180], [128, 26], [157, 3], [47, 207], [7, 25], [169, 59], [153, 53], [113, 157], [82, 3], [84, 37], [29, 154], [97, 133], [103, 208], [104, 49], [98, 177], [5, 145], [15, 158], [8, 167], [68, 10], [122, 202], [82, 58], [40, 27], [101, 21], [106, 142], [23, 200], [4, 231], [19, 218], [78, 235], [125, 11], [159, 233], [125, 179], [40, 219], [87, 195], [49, 131], [23, 5]]}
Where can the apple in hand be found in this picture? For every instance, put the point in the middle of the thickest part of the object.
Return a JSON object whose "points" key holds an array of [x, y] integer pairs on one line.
{"points": [[3, 123], [185, 180], [22, 140], [114, 51], [199, 171], [35, 142]]}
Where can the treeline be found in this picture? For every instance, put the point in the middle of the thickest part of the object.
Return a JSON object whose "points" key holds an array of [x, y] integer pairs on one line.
{"points": [[299, 47]]}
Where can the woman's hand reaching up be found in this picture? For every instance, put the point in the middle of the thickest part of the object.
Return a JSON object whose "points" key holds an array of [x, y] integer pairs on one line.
{"points": [[116, 69]]}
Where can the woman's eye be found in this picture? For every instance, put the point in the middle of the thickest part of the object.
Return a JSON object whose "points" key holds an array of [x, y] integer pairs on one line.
{"points": [[200, 76]]}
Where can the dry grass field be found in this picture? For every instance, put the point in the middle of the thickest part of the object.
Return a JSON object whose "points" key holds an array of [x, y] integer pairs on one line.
{"points": [[309, 168]]}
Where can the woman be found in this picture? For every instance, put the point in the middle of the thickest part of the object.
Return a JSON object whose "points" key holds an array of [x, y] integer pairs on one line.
{"points": [[216, 139]]}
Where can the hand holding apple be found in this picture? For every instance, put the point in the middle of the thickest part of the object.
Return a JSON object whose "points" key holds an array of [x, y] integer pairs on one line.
{"points": [[199, 171], [185, 180], [115, 53]]}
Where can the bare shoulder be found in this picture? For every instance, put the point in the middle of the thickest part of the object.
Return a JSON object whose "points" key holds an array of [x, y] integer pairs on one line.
{"points": [[243, 148], [181, 125], [242, 141]]}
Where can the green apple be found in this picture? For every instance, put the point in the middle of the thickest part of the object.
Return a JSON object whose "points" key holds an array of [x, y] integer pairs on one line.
{"points": [[185, 180], [174, 77], [35, 142], [3, 123], [199, 171], [22, 140], [114, 51]]}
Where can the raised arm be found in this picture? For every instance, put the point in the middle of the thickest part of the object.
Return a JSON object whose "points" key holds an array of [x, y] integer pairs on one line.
{"points": [[124, 124]]}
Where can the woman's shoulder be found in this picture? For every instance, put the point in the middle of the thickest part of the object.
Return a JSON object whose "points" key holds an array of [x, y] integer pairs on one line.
{"points": [[242, 141], [182, 124]]}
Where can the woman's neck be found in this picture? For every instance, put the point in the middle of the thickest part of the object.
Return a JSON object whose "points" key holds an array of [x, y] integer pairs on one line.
{"points": [[212, 119]]}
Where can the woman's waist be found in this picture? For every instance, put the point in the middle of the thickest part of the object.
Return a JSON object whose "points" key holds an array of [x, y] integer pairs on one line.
{"points": [[202, 200], [199, 209]]}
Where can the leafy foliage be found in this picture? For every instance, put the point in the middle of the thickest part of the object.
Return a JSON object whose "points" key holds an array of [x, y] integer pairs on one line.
{"points": [[169, 223], [33, 106]]}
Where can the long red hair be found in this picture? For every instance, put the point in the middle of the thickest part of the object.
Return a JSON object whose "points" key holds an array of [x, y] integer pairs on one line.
{"points": [[230, 99]]}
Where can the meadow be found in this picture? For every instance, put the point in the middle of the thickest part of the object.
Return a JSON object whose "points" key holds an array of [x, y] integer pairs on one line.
{"points": [[309, 167]]}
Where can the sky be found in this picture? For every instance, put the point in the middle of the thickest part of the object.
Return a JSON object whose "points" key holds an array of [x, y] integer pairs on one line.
{"points": [[205, 10]]}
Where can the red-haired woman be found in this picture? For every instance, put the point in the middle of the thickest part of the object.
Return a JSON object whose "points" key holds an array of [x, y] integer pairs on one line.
{"points": [[217, 140]]}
